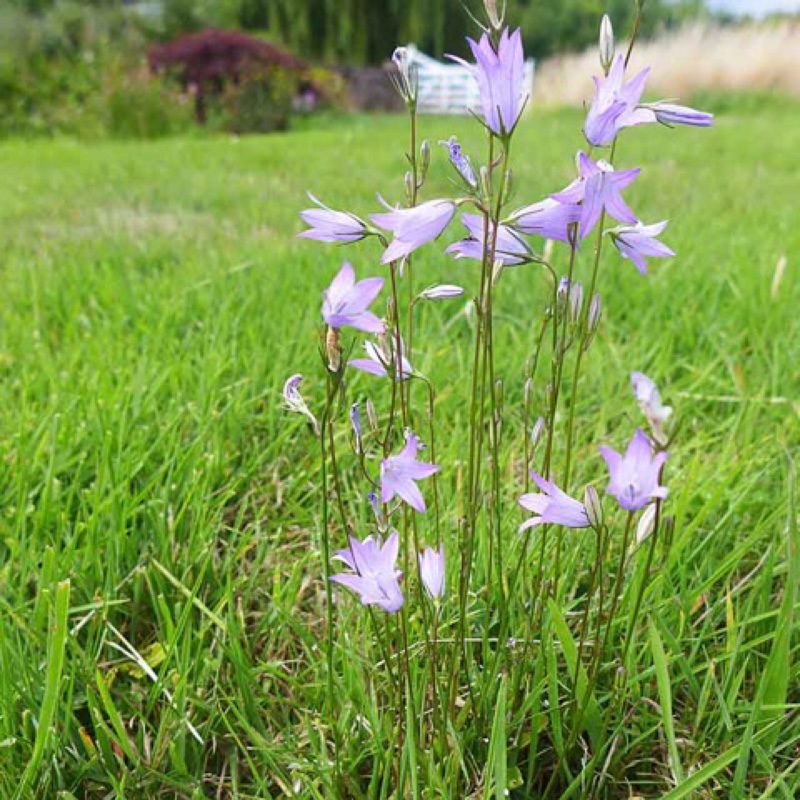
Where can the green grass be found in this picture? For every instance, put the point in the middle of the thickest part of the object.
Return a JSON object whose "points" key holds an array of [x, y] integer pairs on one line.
{"points": [[154, 301]]}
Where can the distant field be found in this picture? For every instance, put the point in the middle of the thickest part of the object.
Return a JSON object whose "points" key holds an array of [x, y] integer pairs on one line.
{"points": [[154, 301]]}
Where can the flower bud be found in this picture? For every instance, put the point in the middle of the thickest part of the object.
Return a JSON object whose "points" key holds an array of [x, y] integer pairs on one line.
{"points": [[538, 432], [424, 158], [594, 508], [372, 416], [334, 349], [495, 19], [562, 293], [528, 390], [410, 188], [485, 181], [647, 524], [606, 43], [575, 302], [355, 422], [592, 321], [441, 291]]}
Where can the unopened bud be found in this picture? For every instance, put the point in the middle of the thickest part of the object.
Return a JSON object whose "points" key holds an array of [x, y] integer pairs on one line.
{"points": [[441, 291], [485, 178], [606, 43], [592, 321], [647, 524], [355, 422], [410, 188], [562, 293], [424, 157], [528, 390], [575, 302], [538, 432], [470, 311], [495, 18], [333, 349], [594, 508], [372, 416]]}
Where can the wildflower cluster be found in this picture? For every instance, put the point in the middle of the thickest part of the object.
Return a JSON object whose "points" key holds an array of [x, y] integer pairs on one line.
{"points": [[414, 498]]}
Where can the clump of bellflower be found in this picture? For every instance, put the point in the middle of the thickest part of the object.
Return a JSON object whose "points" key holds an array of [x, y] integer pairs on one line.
{"points": [[432, 571], [553, 506], [374, 575], [413, 227], [634, 477], [346, 302], [327, 225], [399, 475]]}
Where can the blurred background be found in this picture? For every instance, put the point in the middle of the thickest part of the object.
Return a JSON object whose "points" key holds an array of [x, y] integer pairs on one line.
{"points": [[151, 68]]}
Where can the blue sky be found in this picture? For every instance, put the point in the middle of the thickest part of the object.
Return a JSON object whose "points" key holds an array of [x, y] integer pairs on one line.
{"points": [[756, 7]]}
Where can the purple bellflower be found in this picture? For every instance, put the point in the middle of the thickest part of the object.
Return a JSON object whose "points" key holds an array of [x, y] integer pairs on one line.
{"points": [[615, 105], [501, 79], [671, 114], [552, 506], [634, 477], [549, 219], [294, 400], [598, 189], [432, 571], [399, 473], [346, 302], [638, 242], [509, 250], [413, 227], [379, 361], [327, 225], [374, 575]]}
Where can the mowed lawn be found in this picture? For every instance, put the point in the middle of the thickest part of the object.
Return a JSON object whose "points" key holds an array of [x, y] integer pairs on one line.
{"points": [[155, 299]]}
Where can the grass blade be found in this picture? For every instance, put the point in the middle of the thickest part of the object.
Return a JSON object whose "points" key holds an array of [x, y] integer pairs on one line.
{"points": [[665, 696]]}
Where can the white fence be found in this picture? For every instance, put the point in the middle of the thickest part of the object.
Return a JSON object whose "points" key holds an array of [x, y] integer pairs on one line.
{"points": [[451, 88]]}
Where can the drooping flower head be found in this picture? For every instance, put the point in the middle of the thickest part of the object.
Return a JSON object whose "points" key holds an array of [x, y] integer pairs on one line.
{"points": [[460, 161], [380, 358], [639, 242], [374, 575], [649, 399], [509, 249], [399, 473], [548, 218], [432, 571], [500, 75], [598, 189], [346, 302], [327, 225], [294, 401], [413, 227], [553, 506], [634, 477]]}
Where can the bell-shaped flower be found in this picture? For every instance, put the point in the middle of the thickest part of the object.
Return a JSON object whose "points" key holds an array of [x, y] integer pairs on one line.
{"points": [[381, 357], [327, 225], [639, 242], [634, 477], [552, 506], [509, 249], [548, 218], [399, 475], [346, 302], [598, 189], [413, 227], [374, 575], [432, 571], [615, 105], [500, 75]]}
